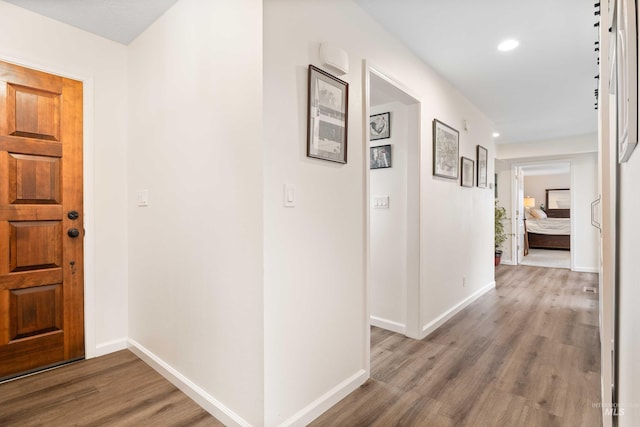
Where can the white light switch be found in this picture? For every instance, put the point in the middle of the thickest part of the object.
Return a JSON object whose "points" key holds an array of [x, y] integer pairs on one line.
{"points": [[143, 197], [289, 195], [381, 202]]}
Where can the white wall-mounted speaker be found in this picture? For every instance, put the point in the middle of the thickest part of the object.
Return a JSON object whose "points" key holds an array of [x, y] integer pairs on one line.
{"points": [[334, 58]]}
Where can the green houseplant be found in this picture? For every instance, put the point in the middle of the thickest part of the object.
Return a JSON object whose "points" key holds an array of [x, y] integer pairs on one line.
{"points": [[500, 234]]}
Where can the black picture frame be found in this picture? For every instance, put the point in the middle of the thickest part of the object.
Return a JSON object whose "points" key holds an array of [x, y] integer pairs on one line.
{"points": [[380, 126], [445, 150], [482, 162], [327, 116], [466, 172], [380, 157]]}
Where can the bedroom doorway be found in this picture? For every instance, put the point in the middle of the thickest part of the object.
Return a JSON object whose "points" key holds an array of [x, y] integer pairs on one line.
{"points": [[393, 212], [544, 196]]}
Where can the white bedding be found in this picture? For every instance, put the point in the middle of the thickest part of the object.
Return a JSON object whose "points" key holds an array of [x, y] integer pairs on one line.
{"points": [[557, 226]]}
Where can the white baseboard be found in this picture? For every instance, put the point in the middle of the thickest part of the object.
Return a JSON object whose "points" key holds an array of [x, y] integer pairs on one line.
{"points": [[507, 262], [437, 322], [326, 401], [108, 347], [389, 325], [585, 270], [201, 397]]}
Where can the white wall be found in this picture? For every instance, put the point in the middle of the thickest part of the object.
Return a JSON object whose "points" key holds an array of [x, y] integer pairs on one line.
{"points": [[37, 42], [195, 130], [536, 185], [388, 227], [315, 296], [314, 252]]}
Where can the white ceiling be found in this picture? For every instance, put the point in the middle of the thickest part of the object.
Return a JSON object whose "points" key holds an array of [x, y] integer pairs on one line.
{"points": [[117, 20], [542, 90]]}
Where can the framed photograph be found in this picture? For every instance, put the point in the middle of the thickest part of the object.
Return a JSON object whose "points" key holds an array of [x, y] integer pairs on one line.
{"points": [[380, 157], [559, 198], [328, 114], [445, 150], [380, 126], [482, 156], [466, 178]]}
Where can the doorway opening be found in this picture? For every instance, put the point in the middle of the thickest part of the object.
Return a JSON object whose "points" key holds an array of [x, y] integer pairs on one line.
{"points": [[543, 197], [393, 206]]}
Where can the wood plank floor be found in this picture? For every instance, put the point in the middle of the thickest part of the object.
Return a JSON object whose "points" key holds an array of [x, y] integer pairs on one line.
{"points": [[114, 390], [526, 354]]}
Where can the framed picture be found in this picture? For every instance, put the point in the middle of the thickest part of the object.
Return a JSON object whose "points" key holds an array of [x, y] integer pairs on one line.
{"points": [[466, 179], [482, 156], [445, 150], [380, 126], [380, 157], [328, 114], [558, 198]]}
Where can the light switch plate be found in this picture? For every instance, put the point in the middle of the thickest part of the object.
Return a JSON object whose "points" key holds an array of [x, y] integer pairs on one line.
{"points": [[143, 197], [381, 202], [289, 195]]}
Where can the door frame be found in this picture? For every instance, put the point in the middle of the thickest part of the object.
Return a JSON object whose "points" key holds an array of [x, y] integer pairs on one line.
{"points": [[88, 157], [514, 204], [413, 324]]}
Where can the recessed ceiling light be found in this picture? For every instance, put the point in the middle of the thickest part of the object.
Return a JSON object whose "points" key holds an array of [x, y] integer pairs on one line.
{"points": [[496, 134], [508, 45]]}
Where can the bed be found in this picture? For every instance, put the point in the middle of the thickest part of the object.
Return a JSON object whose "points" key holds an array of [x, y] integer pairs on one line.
{"points": [[549, 233], [550, 229]]}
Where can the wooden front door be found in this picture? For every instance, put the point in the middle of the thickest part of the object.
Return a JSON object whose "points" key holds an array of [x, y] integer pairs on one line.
{"points": [[41, 220]]}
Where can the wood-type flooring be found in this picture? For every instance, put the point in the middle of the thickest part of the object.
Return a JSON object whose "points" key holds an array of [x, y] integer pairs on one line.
{"points": [[526, 354], [113, 390]]}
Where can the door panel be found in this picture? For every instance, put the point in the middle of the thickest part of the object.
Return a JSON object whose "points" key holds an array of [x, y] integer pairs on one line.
{"points": [[34, 179], [35, 311], [41, 266], [26, 248], [34, 113]]}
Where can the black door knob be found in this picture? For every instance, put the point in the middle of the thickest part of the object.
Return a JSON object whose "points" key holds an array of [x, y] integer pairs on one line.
{"points": [[73, 232], [73, 215]]}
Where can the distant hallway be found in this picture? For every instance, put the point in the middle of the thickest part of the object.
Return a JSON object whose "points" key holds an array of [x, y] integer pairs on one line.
{"points": [[526, 354]]}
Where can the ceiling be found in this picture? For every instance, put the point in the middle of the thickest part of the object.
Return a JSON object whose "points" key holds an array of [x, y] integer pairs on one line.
{"points": [[118, 20], [544, 89]]}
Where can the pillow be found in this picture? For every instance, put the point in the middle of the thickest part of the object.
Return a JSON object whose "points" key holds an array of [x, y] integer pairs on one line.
{"points": [[537, 213], [527, 214]]}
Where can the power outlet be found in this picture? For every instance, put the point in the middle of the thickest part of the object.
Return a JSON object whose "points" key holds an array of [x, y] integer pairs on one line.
{"points": [[464, 281]]}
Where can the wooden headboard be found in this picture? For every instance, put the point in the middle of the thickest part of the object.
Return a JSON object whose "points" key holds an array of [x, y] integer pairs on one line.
{"points": [[558, 195], [558, 213]]}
